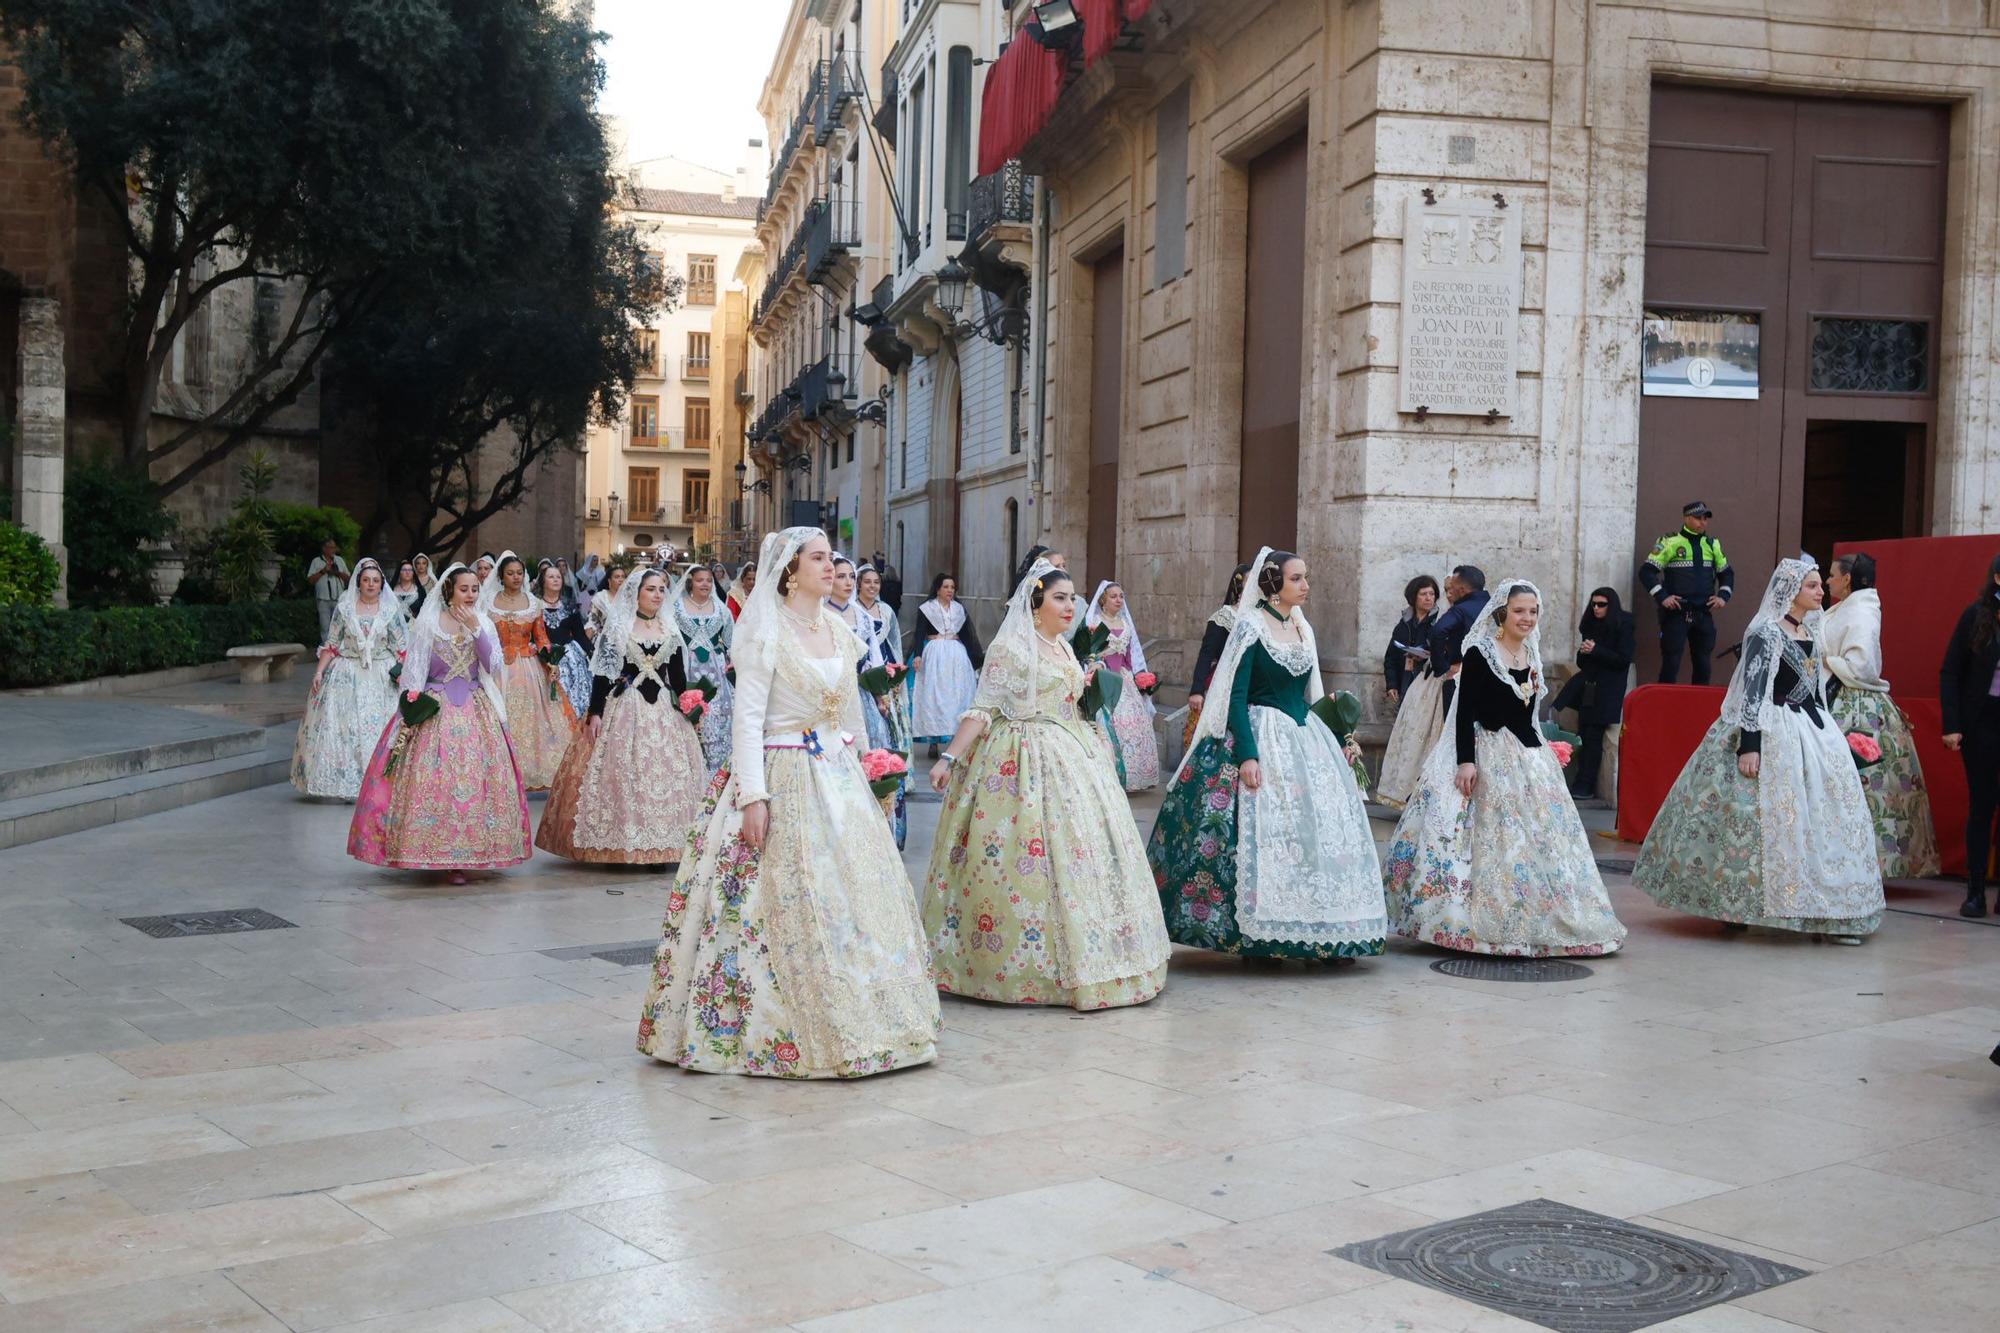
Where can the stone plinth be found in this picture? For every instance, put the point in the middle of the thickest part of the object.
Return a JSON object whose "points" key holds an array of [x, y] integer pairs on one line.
{"points": [[38, 437]]}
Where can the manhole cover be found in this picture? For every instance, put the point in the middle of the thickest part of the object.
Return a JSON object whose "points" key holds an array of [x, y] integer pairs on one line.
{"points": [[1568, 1269], [635, 956], [231, 921], [632, 953], [1617, 865], [1511, 969]]}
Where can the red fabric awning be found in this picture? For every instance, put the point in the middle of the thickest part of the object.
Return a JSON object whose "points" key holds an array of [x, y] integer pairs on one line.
{"points": [[1021, 89], [1101, 24]]}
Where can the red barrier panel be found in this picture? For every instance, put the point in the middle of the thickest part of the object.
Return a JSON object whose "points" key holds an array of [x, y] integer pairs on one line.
{"points": [[1663, 724], [1944, 777], [1926, 583]]}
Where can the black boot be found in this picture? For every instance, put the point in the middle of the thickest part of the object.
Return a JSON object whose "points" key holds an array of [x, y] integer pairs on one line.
{"points": [[1975, 900]]}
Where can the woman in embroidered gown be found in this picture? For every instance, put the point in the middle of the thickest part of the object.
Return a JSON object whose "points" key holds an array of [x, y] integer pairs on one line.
{"points": [[706, 630], [601, 601], [946, 664], [887, 716], [1490, 856], [539, 717], [1130, 722], [408, 592], [739, 592], [1767, 824], [426, 580], [1214, 638], [1038, 888], [632, 781], [564, 626], [353, 695], [1420, 714], [1858, 698], [1262, 847], [453, 798], [792, 945]]}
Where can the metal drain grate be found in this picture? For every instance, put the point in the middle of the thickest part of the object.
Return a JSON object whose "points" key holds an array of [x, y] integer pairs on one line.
{"points": [[1511, 969], [1617, 865], [230, 921], [1568, 1269], [632, 953]]}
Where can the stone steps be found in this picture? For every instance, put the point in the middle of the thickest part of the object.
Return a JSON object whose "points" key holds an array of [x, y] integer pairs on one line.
{"points": [[150, 784]]}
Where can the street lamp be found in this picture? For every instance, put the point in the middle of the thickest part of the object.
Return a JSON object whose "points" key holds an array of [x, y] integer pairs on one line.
{"points": [[951, 281]]}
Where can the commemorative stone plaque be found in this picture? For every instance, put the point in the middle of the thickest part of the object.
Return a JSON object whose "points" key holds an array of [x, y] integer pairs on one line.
{"points": [[1461, 307]]}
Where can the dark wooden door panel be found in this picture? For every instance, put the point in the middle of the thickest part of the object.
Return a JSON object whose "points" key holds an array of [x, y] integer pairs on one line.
{"points": [[1107, 381], [1273, 321]]}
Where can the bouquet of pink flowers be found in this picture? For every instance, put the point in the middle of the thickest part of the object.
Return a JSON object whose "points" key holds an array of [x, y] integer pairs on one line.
{"points": [[692, 703], [878, 681], [885, 770], [1562, 752], [1147, 682], [1867, 751]]}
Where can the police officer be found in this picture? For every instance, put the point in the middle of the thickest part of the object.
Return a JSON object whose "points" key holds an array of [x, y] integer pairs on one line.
{"points": [[1690, 580]]}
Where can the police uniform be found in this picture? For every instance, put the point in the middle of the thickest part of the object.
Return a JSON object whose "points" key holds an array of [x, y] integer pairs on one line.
{"points": [[1692, 567]]}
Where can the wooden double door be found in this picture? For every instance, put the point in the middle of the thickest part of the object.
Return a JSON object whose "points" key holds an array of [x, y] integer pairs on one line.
{"points": [[1794, 258]]}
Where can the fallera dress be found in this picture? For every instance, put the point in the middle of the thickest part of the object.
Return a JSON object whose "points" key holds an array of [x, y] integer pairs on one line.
{"points": [[540, 726], [1130, 722], [352, 702], [630, 796], [1288, 870], [1791, 849], [1858, 698], [454, 801], [887, 718], [565, 630], [1038, 890], [707, 634], [805, 959], [1508, 871], [946, 675]]}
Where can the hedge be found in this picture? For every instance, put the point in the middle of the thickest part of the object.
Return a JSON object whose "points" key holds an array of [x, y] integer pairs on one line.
{"points": [[51, 647]]}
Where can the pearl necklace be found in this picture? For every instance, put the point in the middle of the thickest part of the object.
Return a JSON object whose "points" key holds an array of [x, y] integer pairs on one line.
{"points": [[812, 626]]}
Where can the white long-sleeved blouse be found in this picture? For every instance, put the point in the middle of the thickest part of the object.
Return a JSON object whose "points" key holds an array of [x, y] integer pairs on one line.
{"points": [[1851, 641], [801, 693]]}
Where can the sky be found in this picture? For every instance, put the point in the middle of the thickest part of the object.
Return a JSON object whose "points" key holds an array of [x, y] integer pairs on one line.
{"points": [[685, 74]]}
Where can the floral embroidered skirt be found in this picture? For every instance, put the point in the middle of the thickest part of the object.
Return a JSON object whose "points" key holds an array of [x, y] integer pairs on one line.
{"points": [[454, 801], [1419, 723], [804, 960], [890, 730], [1707, 851], [1130, 727], [1905, 839], [1227, 863], [539, 726], [1513, 875], [630, 796], [1038, 890], [715, 719], [344, 719]]}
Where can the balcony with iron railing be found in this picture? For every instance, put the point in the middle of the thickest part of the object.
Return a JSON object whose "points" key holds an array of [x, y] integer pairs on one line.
{"points": [[885, 110], [694, 367], [625, 514], [1005, 196], [805, 118], [833, 233], [782, 271]]}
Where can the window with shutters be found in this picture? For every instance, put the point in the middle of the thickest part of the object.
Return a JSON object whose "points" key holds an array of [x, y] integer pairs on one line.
{"points": [[644, 485], [701, 280], [697, 423], [649, 351], [645, 421], [694, 495]]}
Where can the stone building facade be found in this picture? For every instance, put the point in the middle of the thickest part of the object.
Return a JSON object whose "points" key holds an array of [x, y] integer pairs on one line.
{"points": [[652, 477], [1227, 195]]}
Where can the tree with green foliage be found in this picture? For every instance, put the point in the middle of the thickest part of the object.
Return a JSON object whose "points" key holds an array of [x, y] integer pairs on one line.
{"points": [[325, 151]]}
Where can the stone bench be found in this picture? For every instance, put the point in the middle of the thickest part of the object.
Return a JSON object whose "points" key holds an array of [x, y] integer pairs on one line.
{"points": [[257, 663]]}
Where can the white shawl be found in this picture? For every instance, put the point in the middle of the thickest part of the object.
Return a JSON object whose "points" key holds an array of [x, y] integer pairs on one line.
{"points": [[1851, 642]]}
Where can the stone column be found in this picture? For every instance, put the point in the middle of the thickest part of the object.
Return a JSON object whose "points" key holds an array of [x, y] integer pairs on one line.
{"points": [[38, 459]]}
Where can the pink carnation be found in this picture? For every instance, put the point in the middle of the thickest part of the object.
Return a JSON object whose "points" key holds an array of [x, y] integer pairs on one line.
{"points": [[411, 695], [1864, 746], [1562, 752], [1145, 680], [879, 764], [689, 701]]}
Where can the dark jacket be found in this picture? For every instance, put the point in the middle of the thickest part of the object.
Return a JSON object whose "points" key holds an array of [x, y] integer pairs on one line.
{"points": [[1448, 635], [1601, 696], [1965, 678], [1411, 633], [1689, 566]]}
